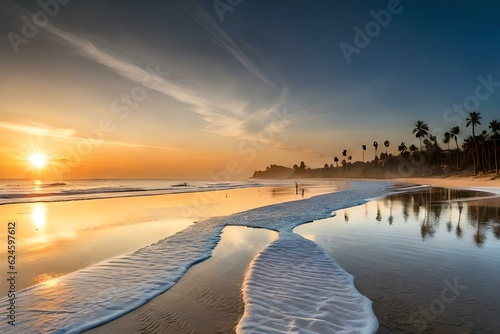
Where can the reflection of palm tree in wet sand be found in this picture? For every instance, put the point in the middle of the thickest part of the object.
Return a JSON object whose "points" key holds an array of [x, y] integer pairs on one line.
{"points": [[391, 217], [459, 229], [427, 227], [480, 238], [449, 225]]}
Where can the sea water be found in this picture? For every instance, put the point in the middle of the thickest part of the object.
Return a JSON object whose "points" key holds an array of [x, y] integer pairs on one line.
{"points": [[305, 300]]}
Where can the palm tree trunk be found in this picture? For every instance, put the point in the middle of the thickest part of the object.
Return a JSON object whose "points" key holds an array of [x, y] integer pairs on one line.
{"points": [[485, 160], [476, 163], [495, 148], [458, 151]]}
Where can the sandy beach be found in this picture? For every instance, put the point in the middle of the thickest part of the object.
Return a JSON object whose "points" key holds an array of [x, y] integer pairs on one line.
{"points": [[208, 298], [454, 182], [62, 237], [201, 304]]}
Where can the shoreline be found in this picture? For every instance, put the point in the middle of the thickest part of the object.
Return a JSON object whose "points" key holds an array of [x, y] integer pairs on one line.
{"points": [[128, 194], [159, 306], [207, 299], [169, 257], [203, 298], [63, 237], [453, 182]]}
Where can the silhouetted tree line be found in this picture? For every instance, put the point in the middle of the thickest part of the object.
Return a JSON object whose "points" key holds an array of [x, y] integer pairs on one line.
{"points": [[477, 155]]}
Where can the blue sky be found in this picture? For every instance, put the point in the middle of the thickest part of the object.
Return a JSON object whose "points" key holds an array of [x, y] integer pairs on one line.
{"points": [[270, 77]]}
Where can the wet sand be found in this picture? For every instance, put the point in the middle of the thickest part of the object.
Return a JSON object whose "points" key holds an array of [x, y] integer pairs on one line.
{"points": [[57, 238], [454, 182], [204, 301], [404, 271], [207, 299]]}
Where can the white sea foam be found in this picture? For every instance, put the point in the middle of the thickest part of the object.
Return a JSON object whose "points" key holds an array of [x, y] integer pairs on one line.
{"points": [[293, 286], [26, 192]]}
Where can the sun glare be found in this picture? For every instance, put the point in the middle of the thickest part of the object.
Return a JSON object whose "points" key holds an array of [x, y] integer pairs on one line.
{"points": [[38, 160]]}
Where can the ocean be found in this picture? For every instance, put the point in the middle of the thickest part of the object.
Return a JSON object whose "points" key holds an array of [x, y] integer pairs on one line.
{"points": [[106, 290], [29, 191]]}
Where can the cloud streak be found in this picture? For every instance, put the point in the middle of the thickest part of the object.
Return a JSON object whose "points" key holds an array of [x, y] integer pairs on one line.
{"points": [[38, 130], [200, 16], [42, 130], [228, 118]]}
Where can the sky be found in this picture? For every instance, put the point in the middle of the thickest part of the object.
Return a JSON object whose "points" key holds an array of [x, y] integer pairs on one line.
{"points": [[220, 88]]}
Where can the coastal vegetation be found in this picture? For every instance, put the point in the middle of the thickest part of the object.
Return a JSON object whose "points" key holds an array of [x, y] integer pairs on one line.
{"points": [[476, 155]]}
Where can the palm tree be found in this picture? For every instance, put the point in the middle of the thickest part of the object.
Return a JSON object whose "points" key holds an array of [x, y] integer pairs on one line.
{"points": [[344, 154], [455, 131], [363, 147], [469, 147], [375, 144], [495, 129], [336, 161], [421, 130], [402, 147], [446, 139], [473, 120], [427, 144], [434, 139], [386, 144], [482, 139]]}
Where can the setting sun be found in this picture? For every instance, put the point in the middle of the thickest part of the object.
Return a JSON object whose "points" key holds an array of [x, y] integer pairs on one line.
{"points": [[38, 160]]}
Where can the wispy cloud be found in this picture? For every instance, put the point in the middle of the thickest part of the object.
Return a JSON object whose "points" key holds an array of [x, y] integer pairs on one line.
{"points": [[136, 145], [232, 117], [38, 130], [199, 15], [43, 130], [223, 119]]}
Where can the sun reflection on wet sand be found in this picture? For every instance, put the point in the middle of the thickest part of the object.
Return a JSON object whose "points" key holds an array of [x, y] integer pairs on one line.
{"points": [[60, 237], [38, 215]]}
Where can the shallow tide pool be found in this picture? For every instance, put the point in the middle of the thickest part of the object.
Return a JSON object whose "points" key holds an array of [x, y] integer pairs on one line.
{"points": [[428, 260]]}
